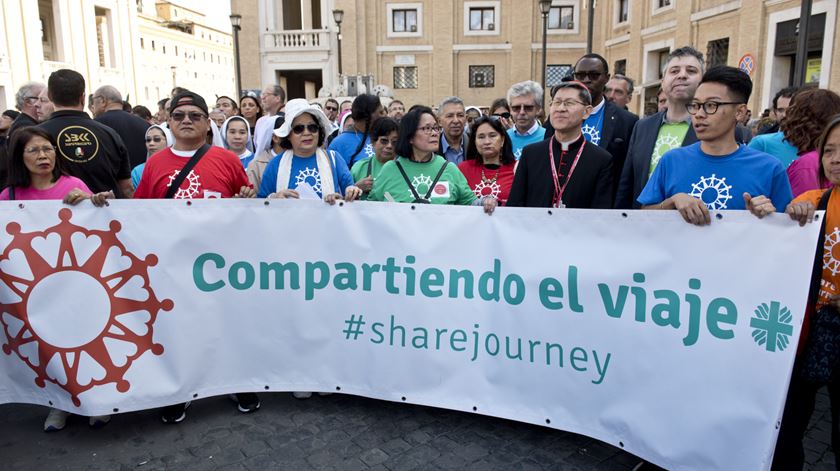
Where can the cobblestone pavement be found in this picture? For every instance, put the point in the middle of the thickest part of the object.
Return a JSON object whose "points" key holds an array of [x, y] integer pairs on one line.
{"points": [[331, 432]]}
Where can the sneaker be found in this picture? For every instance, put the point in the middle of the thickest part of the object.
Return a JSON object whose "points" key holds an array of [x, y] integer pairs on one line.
{"points": [[248, 402], [302, 395], [174, 414], [56, 420], [99, 421]]}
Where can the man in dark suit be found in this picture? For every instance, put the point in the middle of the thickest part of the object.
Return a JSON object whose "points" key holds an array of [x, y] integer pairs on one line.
{"points": [[665, 130], [565, 170], [608, 126]]}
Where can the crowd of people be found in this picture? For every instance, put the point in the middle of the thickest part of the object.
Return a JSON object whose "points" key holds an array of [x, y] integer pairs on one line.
{"points": [[696, 154]]}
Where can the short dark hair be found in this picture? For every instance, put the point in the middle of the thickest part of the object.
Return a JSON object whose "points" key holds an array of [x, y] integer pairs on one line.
{"points": [[332, 100], [506, 154], [286, 143], [787, 92], [177, 91], [683, 52], [630, 83], [225, 97], [599, 57], [65, 86], [500, 103], [734, 79], [408, 129], [396, 101], [383, 127], [11, 114], [249, 97], [162, 103], [583, 92], [142, 112], [18, 173]]}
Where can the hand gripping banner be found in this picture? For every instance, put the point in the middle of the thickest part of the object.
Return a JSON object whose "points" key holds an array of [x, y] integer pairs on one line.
{"points": [[673, 342]]}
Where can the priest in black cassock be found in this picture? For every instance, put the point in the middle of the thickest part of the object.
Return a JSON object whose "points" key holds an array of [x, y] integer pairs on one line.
{"points": [[564, 171]]}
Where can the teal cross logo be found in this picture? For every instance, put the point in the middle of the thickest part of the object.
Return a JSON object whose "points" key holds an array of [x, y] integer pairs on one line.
{"points": [[773, 326]]}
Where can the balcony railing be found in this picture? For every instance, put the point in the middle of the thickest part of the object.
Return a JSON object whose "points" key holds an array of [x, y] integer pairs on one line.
{"points": [[296, 41]]}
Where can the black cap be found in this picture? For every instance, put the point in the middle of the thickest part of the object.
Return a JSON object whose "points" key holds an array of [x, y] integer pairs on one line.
{"points": [[188, 98]]}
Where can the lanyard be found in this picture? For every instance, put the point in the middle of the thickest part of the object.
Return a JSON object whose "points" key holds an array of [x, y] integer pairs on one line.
{"points": [[559, 190]]}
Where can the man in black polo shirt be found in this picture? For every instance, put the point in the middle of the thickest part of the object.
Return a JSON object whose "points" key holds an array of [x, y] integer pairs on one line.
{"points": [[89, 150], [107, 109]]}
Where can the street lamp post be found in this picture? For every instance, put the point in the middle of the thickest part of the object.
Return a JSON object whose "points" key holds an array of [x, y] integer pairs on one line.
{"points": [[590, 26], [338, 16], [545, 8], [801, 62], [235, 23]]}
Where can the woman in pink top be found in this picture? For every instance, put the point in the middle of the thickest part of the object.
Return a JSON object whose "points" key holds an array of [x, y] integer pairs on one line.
{"points": [[35, 174], [809, 112]]}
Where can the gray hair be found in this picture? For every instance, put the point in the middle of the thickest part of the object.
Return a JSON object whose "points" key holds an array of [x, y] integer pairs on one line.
{"points": [[109, 93], [279, 91], [24, 91], [528, 87], [630, 83], [450, 100], [683, 52]]}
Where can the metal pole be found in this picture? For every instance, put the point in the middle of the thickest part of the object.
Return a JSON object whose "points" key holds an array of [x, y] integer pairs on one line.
{"points": [[238, 69], [339, 50], [590, 26], [801, 65], [544, 48]]}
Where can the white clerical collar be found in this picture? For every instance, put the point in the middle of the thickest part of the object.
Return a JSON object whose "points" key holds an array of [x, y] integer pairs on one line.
{"points": [[564, 145]]}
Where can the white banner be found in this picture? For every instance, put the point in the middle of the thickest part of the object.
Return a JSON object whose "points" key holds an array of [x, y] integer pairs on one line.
{"points": [[670, 341]]}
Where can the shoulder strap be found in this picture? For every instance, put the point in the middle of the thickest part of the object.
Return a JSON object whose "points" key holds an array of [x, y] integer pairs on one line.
{"points": [[816, 275], [185, 171], [437, 177], [370, 166], [11, 192], [407, 181]]}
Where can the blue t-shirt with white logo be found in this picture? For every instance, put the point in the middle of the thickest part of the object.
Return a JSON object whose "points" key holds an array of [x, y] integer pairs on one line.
{"points": [[593, 125], [346, 144], [305, 170], [720, 181]]}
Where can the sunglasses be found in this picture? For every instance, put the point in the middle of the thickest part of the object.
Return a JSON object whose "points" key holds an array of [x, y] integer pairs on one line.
{"points": [[526, 108], [194, 116], [154, 139], [331, 108], [313, 128], [593, 75], [505, 115]]}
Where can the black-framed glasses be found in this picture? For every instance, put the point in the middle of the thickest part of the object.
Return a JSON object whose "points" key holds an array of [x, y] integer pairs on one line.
{"points": [[311, 127], [505, 115], [331, 108], [430, 129], [592, 74], [154, 139], [193, 115], [709, 107]]}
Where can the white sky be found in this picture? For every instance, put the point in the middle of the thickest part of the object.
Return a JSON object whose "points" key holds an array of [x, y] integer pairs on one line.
{"points": [[217, 11]]}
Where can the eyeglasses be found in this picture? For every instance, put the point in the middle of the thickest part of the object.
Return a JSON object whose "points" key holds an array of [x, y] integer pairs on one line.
{"points": [[565, 103], [193, 115], [505, 115], [709, 107], [384, 141], [37, 150], [430, 129], [30, 100], [592, 74], [154, 139], [331, 108], [312, 127], [520, 108]]}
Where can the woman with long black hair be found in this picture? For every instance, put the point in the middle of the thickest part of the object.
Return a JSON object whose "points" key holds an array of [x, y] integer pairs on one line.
{"points": [[355, 145]]}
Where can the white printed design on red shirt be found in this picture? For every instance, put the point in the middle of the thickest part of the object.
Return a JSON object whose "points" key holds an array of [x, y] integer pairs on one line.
{"points": [[193, 185]]}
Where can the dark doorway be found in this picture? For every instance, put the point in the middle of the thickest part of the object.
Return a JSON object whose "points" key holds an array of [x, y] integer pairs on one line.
{"points": [[302, 83]]}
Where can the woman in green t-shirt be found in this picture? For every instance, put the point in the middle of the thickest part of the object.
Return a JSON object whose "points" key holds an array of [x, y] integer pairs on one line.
{"points": [[418, 175], [383, 137]]}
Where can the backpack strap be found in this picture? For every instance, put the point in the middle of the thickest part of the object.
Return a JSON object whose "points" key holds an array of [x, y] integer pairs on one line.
{"points": [[185, 171]]}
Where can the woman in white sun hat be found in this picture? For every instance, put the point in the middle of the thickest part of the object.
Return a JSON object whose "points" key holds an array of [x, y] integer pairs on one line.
{"points": [[305, 168]]}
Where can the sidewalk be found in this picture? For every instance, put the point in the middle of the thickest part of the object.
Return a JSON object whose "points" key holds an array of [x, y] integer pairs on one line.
{"points": [[334, 432]]}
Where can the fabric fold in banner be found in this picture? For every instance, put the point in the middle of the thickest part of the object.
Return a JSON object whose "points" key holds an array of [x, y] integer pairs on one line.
{"points": [[671, 341]]}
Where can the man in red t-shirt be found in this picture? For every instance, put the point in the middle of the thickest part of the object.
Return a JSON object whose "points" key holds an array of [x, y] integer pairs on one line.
{"points": [[218, 174]]}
